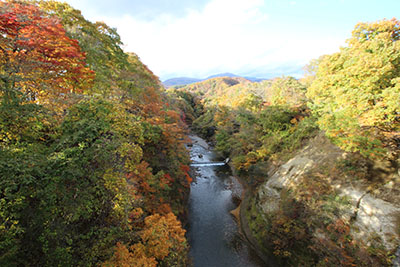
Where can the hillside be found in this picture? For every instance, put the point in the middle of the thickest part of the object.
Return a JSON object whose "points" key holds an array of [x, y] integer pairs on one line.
{"points": [[237, 91], [182, 81], [94, 152], [231, 75], [85, 134], [320, 155]]}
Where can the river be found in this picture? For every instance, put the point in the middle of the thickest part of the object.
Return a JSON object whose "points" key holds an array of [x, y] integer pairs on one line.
{"points": [[213, 233]]}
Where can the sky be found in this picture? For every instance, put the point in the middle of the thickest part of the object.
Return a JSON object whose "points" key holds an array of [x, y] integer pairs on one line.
{"points": [[256, 38]]}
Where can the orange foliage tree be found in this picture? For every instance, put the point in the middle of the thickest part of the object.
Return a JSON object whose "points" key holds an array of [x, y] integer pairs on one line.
{"points": [[162, 239], [38, 60]]}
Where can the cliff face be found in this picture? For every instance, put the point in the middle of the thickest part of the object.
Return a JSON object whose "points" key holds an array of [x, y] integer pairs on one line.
{"points": [[338, 210]]}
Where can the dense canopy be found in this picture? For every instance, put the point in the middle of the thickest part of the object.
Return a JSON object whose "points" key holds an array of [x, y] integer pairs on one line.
{"points": [[356, 92], [85, 135], [93, 164]]}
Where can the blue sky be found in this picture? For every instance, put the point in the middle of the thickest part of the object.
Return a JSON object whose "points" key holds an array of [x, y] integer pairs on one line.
{"points": [[197, 38]]}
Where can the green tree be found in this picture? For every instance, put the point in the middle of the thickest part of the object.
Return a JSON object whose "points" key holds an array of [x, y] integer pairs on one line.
{"points": [[286, 91], [356, 92]]}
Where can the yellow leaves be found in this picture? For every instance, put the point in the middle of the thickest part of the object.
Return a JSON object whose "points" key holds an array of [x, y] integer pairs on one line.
{"points": [[161, 234], [262, 152], [116, 183], [125, 258], [354, 92], [132, 154], [251, 159], [384, 29]]}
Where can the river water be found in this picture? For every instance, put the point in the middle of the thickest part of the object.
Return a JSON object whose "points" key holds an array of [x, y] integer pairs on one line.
{"points": [[213, 234]]}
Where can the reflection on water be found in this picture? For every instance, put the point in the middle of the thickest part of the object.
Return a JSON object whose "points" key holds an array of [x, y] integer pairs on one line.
{"points": [[213, 233]]}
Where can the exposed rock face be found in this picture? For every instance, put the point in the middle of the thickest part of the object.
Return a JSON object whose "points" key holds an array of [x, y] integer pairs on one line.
{"points": [[289, 174], [380, 217], [369, 215]]}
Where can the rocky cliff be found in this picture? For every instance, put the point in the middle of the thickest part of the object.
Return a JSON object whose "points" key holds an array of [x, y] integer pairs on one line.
{"points": [[328, 206]]}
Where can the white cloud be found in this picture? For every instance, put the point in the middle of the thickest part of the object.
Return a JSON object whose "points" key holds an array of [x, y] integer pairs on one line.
{"points": [[227, 35]]}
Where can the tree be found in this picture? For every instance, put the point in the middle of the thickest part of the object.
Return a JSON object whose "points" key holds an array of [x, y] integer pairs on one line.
{"points": [[356, 92], [310, 71], [162, 239], [108, 170], [39, 62], [286, 91], [115, 70]]}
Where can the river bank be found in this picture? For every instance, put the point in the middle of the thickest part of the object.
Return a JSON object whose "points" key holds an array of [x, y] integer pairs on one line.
{"points": [[240, 214], [312, 208]]}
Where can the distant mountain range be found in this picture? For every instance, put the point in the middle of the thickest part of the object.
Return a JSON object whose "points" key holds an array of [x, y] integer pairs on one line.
{"points": [[180, 81], [188, 80]]}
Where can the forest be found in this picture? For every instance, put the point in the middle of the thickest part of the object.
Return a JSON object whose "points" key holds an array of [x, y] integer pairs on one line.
{"points": [[93, 165], [350, 100], [92, 162]]}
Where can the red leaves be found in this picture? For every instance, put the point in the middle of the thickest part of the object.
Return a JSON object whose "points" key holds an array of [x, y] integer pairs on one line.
{"points": [[185, 169], [39, 56]]}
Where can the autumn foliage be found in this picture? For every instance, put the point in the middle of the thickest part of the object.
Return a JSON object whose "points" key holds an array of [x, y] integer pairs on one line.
{"points": [[93, 167], [162, 238], [38, 59], [92, 153], [352, 97], [356, 92]]}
